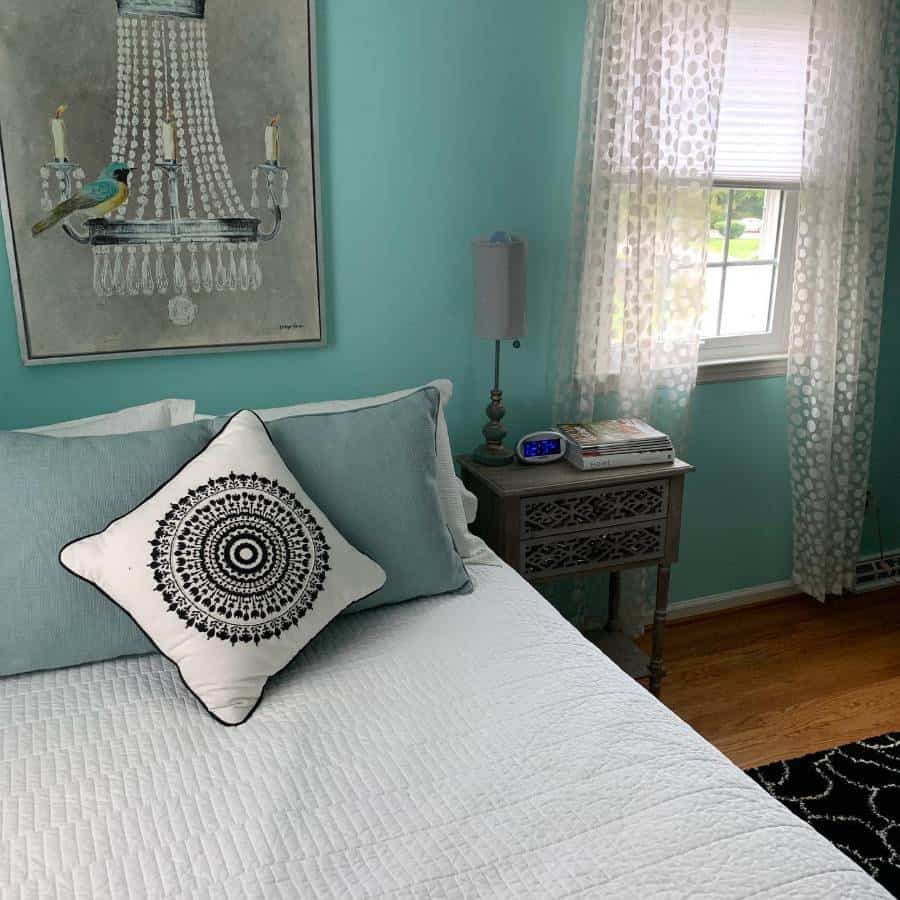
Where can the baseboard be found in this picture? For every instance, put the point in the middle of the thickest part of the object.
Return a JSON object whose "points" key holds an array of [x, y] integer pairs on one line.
{"points": [[711, 604], [715, 603], [758, 595]]}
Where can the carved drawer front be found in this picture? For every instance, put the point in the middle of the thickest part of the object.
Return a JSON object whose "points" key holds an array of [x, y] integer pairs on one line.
{"points": [[591, 549], [579, 510]]}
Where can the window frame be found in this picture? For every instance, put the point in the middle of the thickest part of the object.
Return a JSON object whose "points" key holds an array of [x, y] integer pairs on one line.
{"points": [[732, 355]]}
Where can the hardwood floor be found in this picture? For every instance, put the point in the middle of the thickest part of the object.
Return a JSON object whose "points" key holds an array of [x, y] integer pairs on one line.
{"points": [[792, 677]]}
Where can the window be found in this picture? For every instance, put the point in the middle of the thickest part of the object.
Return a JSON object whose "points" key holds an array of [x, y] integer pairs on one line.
{"points": [[753, 211], [749, 273]]}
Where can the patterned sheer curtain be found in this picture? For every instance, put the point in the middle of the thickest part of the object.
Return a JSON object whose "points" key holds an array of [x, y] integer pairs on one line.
{"points": [[630, 329], [651, 84], [848, 153]]}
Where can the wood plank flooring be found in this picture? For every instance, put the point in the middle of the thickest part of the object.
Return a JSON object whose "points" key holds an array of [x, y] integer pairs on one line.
{"points": [[777, 681]]}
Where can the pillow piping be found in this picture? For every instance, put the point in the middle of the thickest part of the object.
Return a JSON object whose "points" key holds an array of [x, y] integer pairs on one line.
{"points": [[149, 637]]}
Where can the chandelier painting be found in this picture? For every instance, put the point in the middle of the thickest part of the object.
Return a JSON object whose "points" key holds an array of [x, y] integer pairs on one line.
{"points": [[167, 218]]}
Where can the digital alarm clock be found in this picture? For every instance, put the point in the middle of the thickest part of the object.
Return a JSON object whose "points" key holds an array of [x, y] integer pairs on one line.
{"points": [[541, 447]]}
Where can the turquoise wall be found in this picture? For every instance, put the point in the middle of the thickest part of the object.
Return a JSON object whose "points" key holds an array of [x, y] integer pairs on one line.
{"points": [[885, 472], [440, 122]]}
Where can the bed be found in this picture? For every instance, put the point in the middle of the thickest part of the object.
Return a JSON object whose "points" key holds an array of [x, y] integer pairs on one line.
{"points": [[469, 746]]}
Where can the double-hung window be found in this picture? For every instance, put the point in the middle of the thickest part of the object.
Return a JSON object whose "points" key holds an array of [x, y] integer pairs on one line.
{"points": [[753, 210]]}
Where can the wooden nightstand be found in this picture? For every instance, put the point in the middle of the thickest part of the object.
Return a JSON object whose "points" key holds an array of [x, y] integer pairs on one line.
{"points": [[553, 520]]}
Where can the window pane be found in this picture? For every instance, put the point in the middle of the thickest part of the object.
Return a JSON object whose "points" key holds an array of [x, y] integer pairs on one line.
{"points": [[709, 321], [745, 306], [769, 237], [718, 209], [747, 208]]}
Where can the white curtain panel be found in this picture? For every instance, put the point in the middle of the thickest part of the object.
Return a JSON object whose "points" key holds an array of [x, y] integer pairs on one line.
{"points": [[630, 325], [848, 152], [652, 79]]}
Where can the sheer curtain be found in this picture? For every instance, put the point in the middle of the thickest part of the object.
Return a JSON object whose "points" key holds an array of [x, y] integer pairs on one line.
{"points": [[651, 84], [629, 334], [848, 152]]}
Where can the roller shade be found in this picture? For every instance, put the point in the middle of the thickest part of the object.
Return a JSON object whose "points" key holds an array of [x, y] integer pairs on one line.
{"points": [[760, 137]]}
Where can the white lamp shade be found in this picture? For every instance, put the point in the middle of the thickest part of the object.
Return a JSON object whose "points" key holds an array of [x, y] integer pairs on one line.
{"points": [[501, 288]]}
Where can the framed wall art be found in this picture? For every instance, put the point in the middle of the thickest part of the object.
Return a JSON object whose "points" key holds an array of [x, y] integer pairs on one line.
{"points": [[158, 176]]}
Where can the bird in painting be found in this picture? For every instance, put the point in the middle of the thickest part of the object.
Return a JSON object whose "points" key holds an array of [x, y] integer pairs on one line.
{"points": [[98, 197]]}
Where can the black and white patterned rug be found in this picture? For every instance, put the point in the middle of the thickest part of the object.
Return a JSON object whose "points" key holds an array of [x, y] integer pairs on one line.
{"points": [[851, 795]]}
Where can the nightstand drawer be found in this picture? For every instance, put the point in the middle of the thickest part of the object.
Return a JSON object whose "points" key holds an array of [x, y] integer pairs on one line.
{"points": [[584, 510], [585, 550]]}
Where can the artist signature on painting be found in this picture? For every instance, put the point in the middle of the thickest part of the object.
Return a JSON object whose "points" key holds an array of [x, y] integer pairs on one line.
{"points": [[287, 326]]}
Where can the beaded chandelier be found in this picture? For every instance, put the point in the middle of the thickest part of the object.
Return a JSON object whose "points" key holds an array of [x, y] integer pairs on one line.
{"points": [[185, 228]]}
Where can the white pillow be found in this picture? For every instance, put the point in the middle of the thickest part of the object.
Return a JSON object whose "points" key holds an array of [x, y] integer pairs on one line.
{"points": [[471, 549], [229, 568], [469, 501], [148, 417]]}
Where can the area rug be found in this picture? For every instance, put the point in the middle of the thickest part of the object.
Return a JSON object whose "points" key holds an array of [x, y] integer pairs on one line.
{"points": [[850, 795]]}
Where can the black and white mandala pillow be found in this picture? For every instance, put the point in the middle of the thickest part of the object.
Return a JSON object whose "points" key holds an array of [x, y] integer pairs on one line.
{"points": [[229, 568]]}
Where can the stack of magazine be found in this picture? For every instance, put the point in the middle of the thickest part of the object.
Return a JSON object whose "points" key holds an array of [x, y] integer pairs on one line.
{"points": [[616, 442]]}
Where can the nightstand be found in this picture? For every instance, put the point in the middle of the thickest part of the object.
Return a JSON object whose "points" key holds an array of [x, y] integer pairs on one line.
{"points": [[553, 520]]}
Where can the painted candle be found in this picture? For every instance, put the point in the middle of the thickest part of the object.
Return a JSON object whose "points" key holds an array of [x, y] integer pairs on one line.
{"points": [[272, 147], [58, 133], [170, 148]]}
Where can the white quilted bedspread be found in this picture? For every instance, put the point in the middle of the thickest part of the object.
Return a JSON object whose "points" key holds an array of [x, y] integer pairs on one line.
{"points": [[466, 746]]}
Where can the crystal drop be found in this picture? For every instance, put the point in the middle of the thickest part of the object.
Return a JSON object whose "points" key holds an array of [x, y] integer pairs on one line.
{"points": [[146, 273], [244, 271], [254, 192], [98, 268], [284, 190], [232, 271], [106, 279], [45, 172], [221, 274], [207, 274], [178, 281], [46, 203], [194, 274], [118, 275], [132, 275], [162, 279], [259, 275]]}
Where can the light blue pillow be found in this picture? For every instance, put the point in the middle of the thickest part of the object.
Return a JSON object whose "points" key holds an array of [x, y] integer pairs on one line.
{"points": [[373, 472], [54, 490]]}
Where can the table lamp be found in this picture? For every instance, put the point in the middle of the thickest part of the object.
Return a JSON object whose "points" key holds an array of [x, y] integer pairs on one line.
{"points": [[500, 263]]}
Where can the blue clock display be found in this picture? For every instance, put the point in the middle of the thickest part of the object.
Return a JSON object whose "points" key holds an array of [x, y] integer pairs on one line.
{"points": [[541, 447], [547, 447]]}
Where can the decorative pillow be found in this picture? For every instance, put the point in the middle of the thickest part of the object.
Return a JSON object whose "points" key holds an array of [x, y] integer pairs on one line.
{"points": [[55, 489], [148, 417], [229, 568], [471, 548], [374, 470]]}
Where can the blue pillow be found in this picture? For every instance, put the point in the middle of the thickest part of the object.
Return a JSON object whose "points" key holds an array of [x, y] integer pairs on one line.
{"points": [[373, 472], [54, 490]]}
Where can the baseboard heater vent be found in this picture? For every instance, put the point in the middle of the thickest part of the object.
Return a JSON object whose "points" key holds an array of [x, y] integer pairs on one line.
{"points": [[877, 572]]}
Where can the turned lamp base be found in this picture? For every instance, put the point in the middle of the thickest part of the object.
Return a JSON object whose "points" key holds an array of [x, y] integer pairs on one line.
{"points": [[489, 455], [492, 452]]}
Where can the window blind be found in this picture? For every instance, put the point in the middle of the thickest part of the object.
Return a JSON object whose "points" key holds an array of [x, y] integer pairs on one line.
{"points": [[760, 138]]}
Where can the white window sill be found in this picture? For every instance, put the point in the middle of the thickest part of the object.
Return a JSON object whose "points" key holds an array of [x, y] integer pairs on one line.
{"points": [[740, 369]]}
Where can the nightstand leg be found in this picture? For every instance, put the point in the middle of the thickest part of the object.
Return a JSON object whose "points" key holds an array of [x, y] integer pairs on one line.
{"points": [[615, 595], [659, 627]]}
